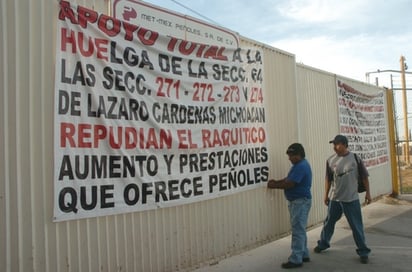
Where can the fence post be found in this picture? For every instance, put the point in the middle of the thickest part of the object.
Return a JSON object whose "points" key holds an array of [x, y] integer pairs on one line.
{"points": [[392, 143]]}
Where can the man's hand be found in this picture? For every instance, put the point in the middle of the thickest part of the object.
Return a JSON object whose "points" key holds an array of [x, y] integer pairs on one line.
{"points": [[368, 198], [272, 184]]}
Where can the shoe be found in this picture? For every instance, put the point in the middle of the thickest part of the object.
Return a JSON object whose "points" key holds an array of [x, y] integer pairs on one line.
{"points": [[317, 249], [306, 259], [364, 259], [291, 265]]}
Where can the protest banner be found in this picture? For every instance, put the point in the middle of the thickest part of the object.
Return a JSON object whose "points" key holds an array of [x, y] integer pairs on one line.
{"points": [[146, 120], [362, 120]]}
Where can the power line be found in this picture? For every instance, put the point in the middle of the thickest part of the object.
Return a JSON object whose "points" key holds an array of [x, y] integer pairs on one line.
{"points": [[195, 12]]}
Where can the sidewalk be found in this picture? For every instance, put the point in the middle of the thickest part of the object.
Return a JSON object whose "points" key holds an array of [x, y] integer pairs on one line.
{"points": [[388, 230]]}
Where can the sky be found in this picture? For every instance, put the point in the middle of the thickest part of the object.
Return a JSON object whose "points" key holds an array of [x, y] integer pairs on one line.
{"points": [[348, 38]]}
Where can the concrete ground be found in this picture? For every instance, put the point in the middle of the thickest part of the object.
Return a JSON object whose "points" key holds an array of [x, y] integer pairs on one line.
{"points": [[388, 230]]}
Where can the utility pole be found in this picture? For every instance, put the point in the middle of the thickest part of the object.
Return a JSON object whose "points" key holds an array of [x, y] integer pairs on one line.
{"points": [[405, 110]]}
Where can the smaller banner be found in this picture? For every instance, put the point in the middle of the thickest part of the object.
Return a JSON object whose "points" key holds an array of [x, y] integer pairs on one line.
{"points": [[362, 120]]}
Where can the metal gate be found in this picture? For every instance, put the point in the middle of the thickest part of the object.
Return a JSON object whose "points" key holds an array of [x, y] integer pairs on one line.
{"points": [[401, 85]]}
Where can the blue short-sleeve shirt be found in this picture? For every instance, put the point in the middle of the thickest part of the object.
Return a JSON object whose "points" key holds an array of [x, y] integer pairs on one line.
{"points": [[301, 174]]}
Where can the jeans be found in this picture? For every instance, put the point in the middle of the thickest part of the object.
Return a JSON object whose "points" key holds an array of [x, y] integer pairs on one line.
{"points": [[299, 212], [352, 211]]}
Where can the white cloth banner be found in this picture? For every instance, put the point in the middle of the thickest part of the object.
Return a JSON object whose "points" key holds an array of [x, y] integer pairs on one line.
{"points": [[144, 120], [362, 120]]}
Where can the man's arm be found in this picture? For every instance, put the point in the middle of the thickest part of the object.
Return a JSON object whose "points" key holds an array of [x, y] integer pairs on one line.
{"points": [[328, 181], [327, 189], [365, 179], [280, 184], [368, 198]]}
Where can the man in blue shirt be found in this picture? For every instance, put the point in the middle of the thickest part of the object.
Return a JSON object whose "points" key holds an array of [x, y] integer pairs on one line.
{"points": [[297, 187]]}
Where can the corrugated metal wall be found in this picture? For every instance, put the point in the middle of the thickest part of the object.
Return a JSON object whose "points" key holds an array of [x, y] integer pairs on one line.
{"points": [[319, 122], [168, 239]]}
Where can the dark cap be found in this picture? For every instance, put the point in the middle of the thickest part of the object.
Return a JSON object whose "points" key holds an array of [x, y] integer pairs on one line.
{"points": [[296, 149], [339, 139]]}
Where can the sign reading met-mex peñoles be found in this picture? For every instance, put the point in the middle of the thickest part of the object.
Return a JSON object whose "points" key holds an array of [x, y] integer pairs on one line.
{"points": [[145, 120]]}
